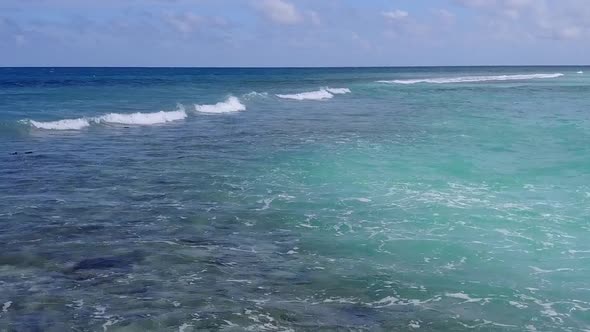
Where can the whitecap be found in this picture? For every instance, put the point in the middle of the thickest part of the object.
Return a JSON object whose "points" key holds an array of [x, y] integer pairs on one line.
{"points": [[518, 305], [239, 281], [231, 104], [414, 324], [183, 327], [349, 300], [67, 124], [255, 94], [386, 302], [470, 79], [579, 72], [540, 270], [118, 118], [311, 95], [143, 118], [267, 202], [463, 296], [338, 91]]}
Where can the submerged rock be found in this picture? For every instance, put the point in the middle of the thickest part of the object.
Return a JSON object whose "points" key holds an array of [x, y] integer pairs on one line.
{"points": [[109, 262], [100, 263]]}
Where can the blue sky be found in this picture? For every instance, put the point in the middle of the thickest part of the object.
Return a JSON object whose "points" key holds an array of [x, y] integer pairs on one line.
{"points": [[293, 32]]}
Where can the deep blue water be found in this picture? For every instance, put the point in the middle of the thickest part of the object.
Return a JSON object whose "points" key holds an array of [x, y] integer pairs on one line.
{"points": [[180, 199]]}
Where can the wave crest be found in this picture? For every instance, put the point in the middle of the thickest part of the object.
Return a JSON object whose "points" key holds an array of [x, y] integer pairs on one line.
{"points": [[67, 124], [231, 104], [324, 93], [143, 118], [470, 79], [118, 118], [338, 91], [255, 94]]}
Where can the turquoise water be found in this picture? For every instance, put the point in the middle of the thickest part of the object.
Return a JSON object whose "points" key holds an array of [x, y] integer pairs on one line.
{"points": [[426, 199]]}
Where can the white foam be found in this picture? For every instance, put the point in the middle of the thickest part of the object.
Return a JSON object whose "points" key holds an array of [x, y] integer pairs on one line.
{"points": [[6, 305], [255, 94], [143, 118], [463, 296], [580, 72], [240, 281], [386, 302], [183, 327], [518, 304], [349, 300], [470, 79], [119, 118], [231, 104], [311, 95], [540, 270], [67, 124], [338, 91], [414, 324]]}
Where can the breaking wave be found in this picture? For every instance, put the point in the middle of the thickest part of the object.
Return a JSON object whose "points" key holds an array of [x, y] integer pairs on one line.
{"points": [[470, 79], [142, 118], [338, 91], [116, 118], [255, 94], [232, 104], [67, 124], [324, 93]]}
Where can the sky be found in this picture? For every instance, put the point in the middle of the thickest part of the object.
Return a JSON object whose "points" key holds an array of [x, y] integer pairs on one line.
{"points": [[278, 33]]}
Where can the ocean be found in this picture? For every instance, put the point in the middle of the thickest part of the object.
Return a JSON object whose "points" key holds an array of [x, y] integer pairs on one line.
{"points": [[295, 199]]}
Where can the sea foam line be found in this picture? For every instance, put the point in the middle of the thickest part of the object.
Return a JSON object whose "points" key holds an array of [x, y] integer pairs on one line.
{"points": [[321, 94], [470, 79]]}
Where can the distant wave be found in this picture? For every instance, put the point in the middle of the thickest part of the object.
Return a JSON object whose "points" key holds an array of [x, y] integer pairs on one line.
{"points": [[67, 124], [232, 104], [255, 94], [469, 79], [580, 72], [324, 93], [118, 118], [142, 118], [338, 91]]}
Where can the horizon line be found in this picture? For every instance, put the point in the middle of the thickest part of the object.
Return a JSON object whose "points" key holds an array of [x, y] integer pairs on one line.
{"points": [[298, 67]]}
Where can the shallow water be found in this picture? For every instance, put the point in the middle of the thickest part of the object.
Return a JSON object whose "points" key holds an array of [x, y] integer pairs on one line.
{"points": [[198, 199]]}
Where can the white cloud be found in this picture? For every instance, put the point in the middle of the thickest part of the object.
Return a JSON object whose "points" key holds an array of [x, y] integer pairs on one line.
{"points": [[279, 11], [563, 19], [314, 17], [185, 23], [395, 14], [189, 24], [568, 33], [445, 16]]}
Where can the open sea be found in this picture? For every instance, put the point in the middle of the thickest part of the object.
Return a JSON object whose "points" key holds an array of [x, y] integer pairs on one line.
{"points": [[311, 199]]}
